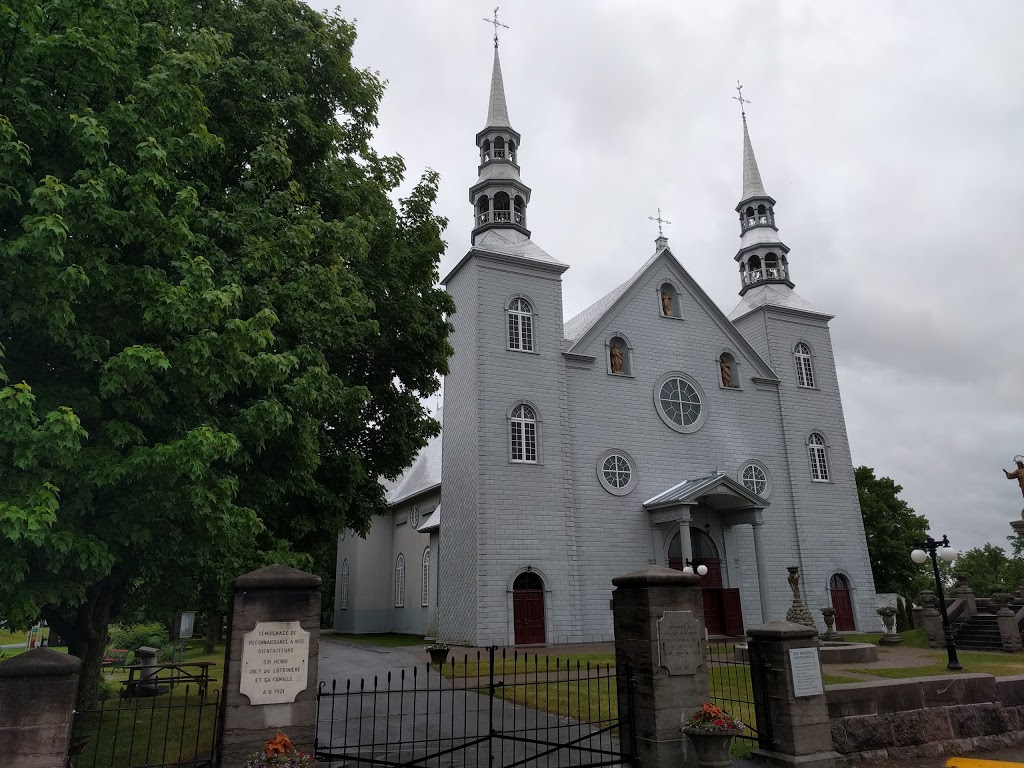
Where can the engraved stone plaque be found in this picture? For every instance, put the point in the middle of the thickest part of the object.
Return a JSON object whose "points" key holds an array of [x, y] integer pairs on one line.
{"points": [[680, 642], [806, 672], [275, 660]]}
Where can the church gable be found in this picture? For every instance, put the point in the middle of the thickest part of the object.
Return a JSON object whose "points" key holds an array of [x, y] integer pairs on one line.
{"points": [[661, 295]]}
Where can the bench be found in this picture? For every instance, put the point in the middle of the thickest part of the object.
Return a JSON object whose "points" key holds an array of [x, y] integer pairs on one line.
{"points": [[115, 658]]}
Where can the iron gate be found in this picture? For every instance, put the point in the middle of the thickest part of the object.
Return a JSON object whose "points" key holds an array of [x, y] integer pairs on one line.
{"points": [[492, 709], [731, 687]]}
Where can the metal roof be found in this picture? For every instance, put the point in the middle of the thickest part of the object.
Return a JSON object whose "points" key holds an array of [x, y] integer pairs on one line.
{"points": [[689, 491], [774, 295], [432, 521], [422, 475]]}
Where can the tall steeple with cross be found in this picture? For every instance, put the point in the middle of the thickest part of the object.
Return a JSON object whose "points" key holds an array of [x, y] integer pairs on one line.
{"points": [[762, 256], [499, 197]]}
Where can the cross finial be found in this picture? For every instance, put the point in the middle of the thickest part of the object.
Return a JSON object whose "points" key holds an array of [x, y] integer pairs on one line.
{"points": [[740, 99], [496, 24], [660, 221]]}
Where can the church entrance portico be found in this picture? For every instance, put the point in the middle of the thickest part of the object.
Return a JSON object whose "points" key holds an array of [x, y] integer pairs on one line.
{"points": [[720, 500]]}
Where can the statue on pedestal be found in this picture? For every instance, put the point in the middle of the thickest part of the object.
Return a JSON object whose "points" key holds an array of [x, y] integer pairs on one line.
{"points": [[1018, 473], [797, 613]]}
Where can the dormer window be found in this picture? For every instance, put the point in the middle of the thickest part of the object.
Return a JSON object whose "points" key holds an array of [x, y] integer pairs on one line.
{"points": [[668, 300]]}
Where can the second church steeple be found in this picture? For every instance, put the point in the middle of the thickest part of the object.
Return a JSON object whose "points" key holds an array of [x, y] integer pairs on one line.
{"points": [[499, 196]]}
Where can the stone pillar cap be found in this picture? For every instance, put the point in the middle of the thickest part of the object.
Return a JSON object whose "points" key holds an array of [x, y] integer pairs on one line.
{"points": [[276, 577], [656, 576], [782, 630], [40, 662]]}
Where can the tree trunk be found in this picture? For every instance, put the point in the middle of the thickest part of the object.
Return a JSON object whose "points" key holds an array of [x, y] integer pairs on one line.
{"points": [[214, 628], [86, 633]]}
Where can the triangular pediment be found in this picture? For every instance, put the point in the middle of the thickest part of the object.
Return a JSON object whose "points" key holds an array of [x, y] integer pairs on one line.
{"points": [[596, 321], [690, 492]]}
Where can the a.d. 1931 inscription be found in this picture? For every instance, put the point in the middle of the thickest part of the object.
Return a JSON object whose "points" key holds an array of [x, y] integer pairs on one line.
{"points": [[275, 660], [680, 642]]}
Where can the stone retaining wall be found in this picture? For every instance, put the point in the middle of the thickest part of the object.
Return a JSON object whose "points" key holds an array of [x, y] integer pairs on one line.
{"points": [[926, 716]]}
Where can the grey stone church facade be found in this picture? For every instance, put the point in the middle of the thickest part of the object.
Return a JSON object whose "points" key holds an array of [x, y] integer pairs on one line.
{"points": [[650, 428]]}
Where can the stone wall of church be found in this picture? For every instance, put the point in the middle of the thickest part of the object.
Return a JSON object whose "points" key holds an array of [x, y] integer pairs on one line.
{"points": [[828, 513], [616, 412], [526, 511]]}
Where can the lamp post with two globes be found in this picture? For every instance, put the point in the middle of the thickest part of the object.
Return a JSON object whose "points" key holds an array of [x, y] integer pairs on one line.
{"points": [[936, 549], [689, 567]]}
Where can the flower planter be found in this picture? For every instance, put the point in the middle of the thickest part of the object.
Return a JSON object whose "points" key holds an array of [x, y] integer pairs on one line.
{"points": [[713, 750], [438, 656]]}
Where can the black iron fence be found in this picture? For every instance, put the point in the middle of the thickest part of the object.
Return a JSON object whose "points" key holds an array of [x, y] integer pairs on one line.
{"points": [[731, 688], [494, 708], [178, 730]]}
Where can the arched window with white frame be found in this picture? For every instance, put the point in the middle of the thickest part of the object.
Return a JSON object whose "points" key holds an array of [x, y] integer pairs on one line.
{"points": [[400, 581], [343, 587], [816, 451], [804, 365], [523, 441], [520, 325], [425, 578]]}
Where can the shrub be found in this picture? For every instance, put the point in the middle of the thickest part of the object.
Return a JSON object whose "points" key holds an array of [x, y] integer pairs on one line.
{"points": [[131, 637], [902, 618]]}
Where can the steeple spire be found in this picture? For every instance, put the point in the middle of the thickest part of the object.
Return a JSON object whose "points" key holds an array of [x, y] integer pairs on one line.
{"points": [[762, 256], [499, 197]]}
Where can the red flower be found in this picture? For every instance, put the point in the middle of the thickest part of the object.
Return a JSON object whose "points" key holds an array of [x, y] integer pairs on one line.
{"points": [[719, 721], [279, 745]]}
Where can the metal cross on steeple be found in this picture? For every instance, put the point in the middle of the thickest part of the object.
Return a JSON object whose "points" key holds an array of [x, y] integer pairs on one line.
{"points": [[740, 99], [660, 221], [496, 24]]}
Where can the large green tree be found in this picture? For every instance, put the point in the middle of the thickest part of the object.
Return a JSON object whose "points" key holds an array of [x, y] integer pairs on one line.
{"points": [[892, 530], [216, 323], [989, 569]]}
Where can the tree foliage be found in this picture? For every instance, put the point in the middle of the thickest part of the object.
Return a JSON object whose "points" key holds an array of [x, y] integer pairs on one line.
{"points": [[989, 569], [892, 529], [216, 325]]}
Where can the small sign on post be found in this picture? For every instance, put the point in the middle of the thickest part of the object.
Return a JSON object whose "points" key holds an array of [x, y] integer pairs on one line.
{"points": [[806, 670], [275, 660]]}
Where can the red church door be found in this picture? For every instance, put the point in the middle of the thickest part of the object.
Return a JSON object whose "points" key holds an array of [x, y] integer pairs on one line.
{"points": [[841, 602], [528, 608]]}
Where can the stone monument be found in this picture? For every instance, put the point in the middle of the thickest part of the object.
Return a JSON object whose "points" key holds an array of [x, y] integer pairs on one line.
{"points": [[798, 612]]}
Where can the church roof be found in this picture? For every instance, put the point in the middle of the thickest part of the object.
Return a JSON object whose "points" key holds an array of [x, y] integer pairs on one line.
{"points": [[432, 522], [689, 491], [424, 474], [497, 109], [578, 326], [760, 236], [752, 186], [509, 242], [775, 295]]}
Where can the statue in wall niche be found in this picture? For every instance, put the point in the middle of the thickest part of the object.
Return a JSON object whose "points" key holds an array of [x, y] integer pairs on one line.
{"points": [[1018, 473], [666, 304], [617, 358], [726, 369]]}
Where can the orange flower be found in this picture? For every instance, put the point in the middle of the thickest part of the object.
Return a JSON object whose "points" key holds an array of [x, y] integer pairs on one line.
{"points": [[279, 745]]}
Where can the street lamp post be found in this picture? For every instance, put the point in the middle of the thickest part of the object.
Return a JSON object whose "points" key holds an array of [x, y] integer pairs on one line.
{"points": [[936, 549], [690, 567]]}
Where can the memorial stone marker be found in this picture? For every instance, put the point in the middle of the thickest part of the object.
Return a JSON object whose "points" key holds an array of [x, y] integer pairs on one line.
{"points": [[275, 657], [680, 642], [806, 672]]}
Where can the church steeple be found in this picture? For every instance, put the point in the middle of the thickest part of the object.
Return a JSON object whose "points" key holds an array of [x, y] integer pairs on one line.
{"points": [[499, 197], [762, 256]]}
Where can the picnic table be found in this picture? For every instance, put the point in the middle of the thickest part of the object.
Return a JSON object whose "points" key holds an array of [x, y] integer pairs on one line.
{"points": [[150, 677], [115, 658]]}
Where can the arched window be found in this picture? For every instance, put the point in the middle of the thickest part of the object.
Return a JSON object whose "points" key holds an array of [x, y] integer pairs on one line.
{"points": [[400, 581], [523, 434], [669, 300], [750, 215], [728, 371], [512, 150], [486, 147], [771, 266], [754, 268], [483, 205], [520, 210], [762, 214], [425, 578], [520, 325], [818, 457], [343, 587], [502, 207], [785, 267], [620, 356], [804, 365], [499, 148]]}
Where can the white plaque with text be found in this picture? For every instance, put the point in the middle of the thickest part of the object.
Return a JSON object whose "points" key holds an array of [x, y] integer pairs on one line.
{"points": [[275, 661], [680, 642], [806, 672]]}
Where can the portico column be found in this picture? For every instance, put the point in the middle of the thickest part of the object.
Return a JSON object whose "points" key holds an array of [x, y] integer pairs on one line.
{"points": [[762, 575], [684, 541]]}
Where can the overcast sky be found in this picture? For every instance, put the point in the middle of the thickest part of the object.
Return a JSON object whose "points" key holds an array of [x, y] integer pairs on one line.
{"points": [[891, 135]]}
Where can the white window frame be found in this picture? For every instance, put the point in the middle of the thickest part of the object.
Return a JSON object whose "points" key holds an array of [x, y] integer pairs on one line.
{"points": [[764, 472], [817, 455], [520, 326], [400, 581], [803, 358], [701, 417], [425, 578], [523, 428], [631, 464], [343, 587]]}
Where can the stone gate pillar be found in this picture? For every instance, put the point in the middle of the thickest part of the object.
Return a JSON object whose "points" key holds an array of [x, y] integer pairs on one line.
{"points": [[270, 669], [659, 635], [37, 702]]}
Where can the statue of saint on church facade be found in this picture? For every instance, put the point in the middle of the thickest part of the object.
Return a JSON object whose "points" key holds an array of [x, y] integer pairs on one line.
{"points": [[726, 369], [666, 304], [617, 358]]}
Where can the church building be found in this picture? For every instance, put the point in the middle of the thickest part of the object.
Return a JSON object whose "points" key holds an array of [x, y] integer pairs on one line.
{"points": [[650, 428]]}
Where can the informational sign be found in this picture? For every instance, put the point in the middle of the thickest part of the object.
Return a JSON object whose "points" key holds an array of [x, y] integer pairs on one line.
{"points": [[186, 624], [680, 642], [275, 660], [806, 672]]}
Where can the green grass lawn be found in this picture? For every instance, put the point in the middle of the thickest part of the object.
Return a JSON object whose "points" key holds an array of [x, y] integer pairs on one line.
{"points": [[990, 662], [463, 665], [914, 638], [387, 640], [141, 731]]}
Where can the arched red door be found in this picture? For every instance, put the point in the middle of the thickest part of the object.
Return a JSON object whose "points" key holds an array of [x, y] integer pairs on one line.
{"points": [[528, 608], [842, 602], [722, 614]]}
